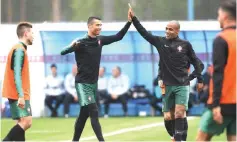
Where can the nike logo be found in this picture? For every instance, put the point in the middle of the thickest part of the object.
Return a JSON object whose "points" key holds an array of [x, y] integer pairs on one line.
{"points": [[166, 45]]}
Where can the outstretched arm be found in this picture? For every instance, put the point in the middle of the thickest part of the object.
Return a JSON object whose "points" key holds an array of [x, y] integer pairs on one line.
{"points": [[105, 40], [144, 33]]}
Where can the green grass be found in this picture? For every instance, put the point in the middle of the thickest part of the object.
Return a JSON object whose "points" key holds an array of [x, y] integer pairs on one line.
{"points": [[50, 129]]}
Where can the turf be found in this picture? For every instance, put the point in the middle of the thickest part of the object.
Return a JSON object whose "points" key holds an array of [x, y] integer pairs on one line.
{"points": [[51, 129]]}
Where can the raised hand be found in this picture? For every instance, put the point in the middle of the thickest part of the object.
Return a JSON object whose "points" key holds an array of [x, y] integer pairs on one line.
{"points": [[130, 11]]}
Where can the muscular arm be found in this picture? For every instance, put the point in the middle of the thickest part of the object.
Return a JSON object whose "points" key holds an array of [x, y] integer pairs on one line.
{"points": [[197, 63], [16, 66], [219, 55], [144, 33], [105, 40]]}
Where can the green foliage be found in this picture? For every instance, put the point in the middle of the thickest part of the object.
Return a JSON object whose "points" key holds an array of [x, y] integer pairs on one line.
{"points": [[82, 9]]}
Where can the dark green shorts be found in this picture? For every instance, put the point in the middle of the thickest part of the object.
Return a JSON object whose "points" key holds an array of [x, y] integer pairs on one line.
{"points": [[209, 126], [86, 93], [175, 95], [17, 112]]}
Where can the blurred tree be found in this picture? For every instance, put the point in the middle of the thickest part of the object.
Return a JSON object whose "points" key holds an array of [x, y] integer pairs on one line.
{"points": [[108, 10], [23, 10], [12, 11], [9, 11], [82, 9], [66, 10], [56, 10], [151, 10], [206, 9], [39, 10]]}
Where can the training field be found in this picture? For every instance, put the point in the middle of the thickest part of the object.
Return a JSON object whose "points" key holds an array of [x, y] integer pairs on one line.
{"points": [[114, 129]]}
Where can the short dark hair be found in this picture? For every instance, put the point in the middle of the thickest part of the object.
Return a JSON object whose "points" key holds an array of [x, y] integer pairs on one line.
{"points": [[21, 28], [103, 68], [91, 19], [230, 7], [53, 66], [119, 69]]}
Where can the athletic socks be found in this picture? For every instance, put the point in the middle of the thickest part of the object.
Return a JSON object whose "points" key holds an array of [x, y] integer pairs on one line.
{"points": [[15, 134], [169, 127], [181, 127], [184, 137]]}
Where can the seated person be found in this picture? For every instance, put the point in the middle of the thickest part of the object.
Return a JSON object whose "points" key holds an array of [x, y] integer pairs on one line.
{"points": [[154, 99], [102, 93], [54, 91], [203, 95], [71, 94], [118, 86]]}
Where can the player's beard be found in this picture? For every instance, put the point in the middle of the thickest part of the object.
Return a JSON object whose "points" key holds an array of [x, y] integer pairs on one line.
{"points": [[169, 36], [221, 24], [97, 32], [30, 42]]}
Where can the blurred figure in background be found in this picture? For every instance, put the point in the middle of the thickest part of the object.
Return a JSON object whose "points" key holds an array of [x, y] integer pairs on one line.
{"points": [[102, 93], [4, 103], [118, 86], [154, 99], [203, 95], [71, 94], [54, 90]]}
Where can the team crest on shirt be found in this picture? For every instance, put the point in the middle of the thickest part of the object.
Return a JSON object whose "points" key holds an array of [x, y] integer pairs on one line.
{"points": [[179, 48], [28, 109], [89, 98], [99, 42]]}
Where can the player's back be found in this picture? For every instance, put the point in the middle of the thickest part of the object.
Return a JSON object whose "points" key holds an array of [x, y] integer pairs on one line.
{"points": [[9, 82]]}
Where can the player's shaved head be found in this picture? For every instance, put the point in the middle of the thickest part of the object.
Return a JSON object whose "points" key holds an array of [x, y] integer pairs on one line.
{"points": [[172, 29], [175, 23]]}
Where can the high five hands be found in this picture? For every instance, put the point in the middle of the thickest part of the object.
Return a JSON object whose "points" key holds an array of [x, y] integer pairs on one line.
{"points": [[130, 13]]}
